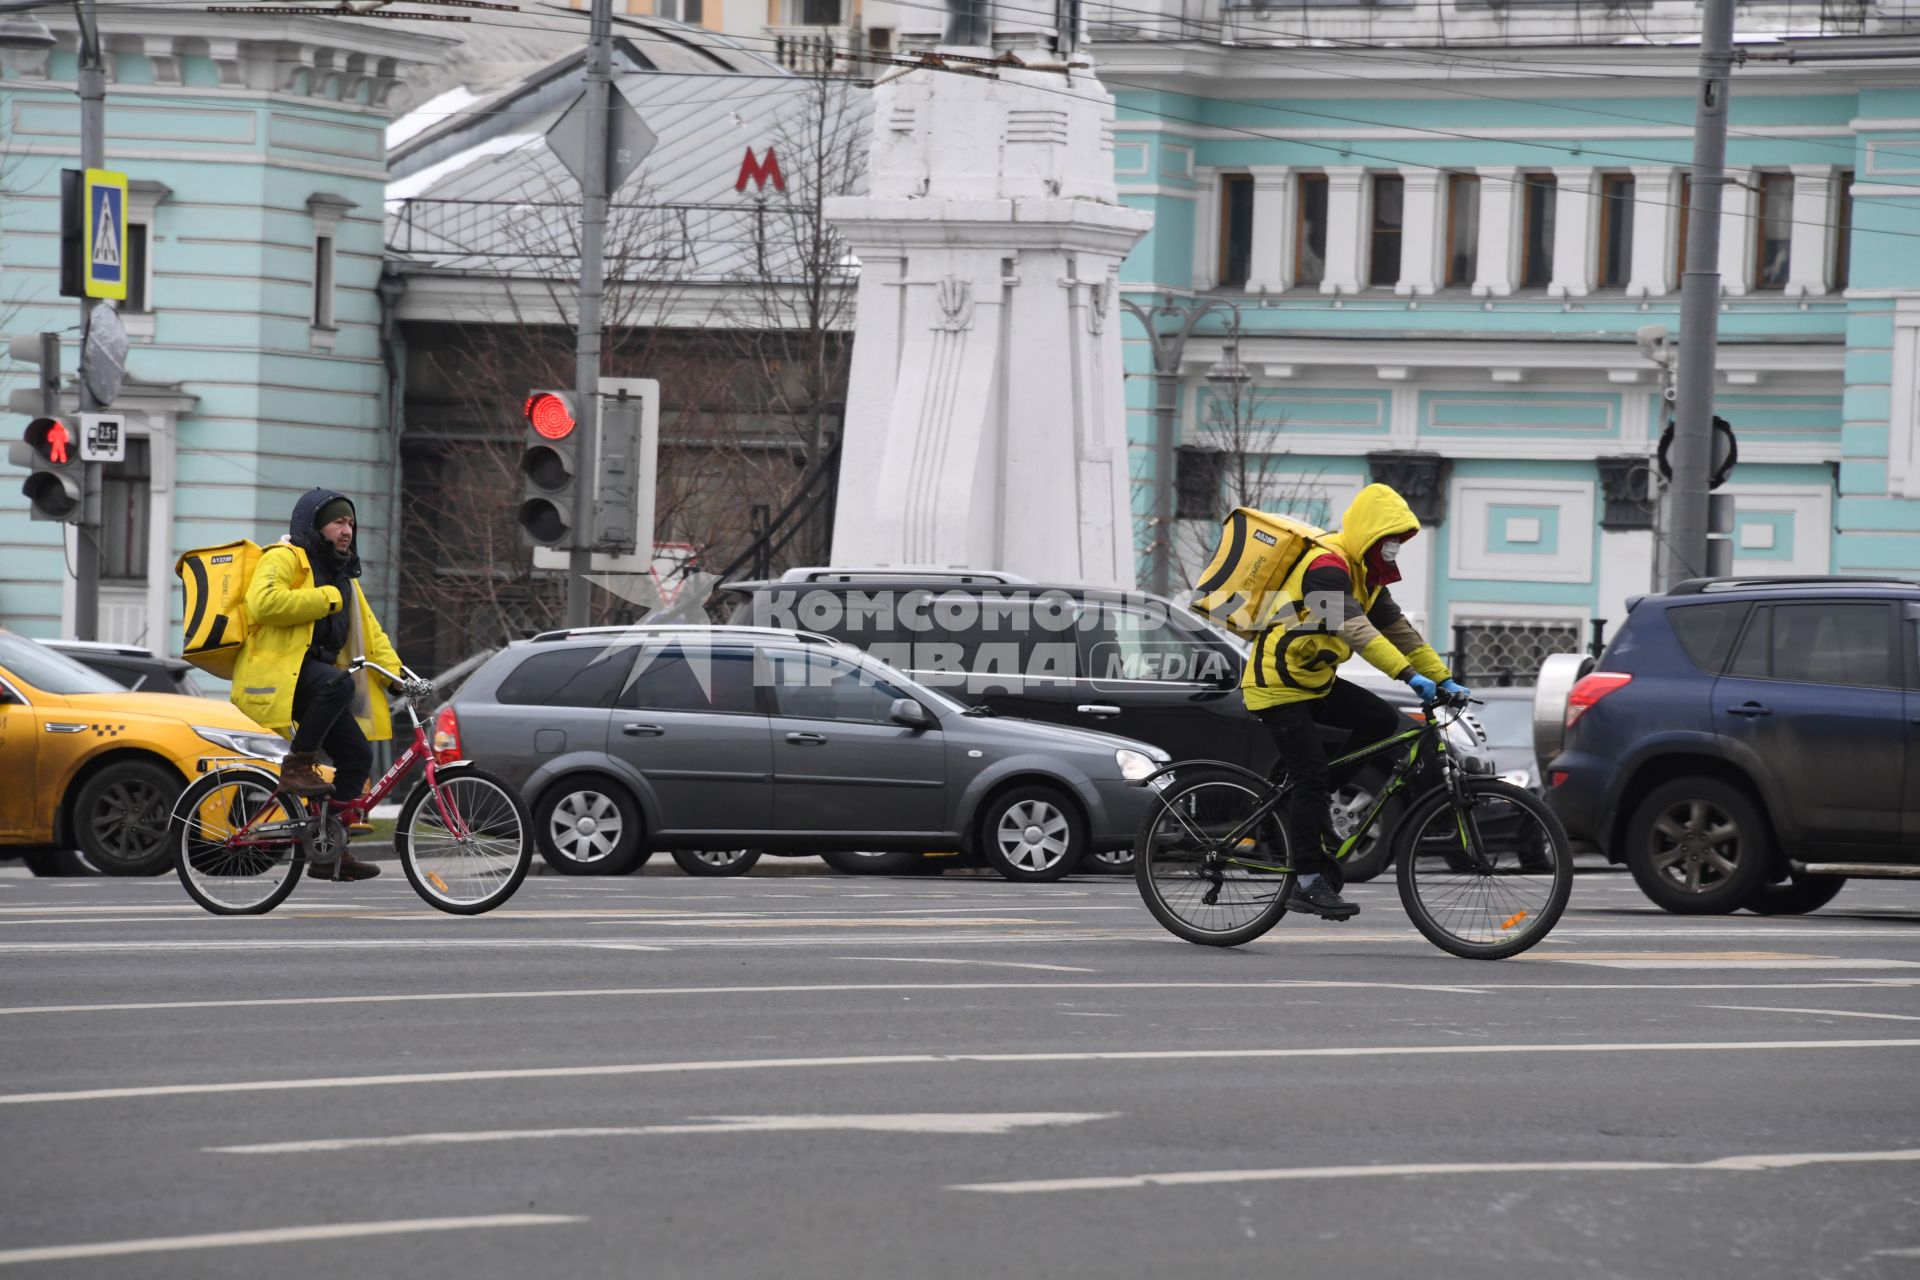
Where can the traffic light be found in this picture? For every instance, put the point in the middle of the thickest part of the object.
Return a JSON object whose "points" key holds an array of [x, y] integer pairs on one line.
{"points": [[54, 488], [548, 468]]}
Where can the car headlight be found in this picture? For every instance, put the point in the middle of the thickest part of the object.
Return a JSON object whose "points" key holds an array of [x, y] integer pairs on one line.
{"points": [[1518, 778], [261, 746], [1134, 766]]}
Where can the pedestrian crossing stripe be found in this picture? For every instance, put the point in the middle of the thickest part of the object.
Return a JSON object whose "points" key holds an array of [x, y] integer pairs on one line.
{"points": [[104, 230]]}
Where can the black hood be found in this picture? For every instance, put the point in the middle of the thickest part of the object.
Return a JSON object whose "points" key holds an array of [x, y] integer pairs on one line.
{"points": [[327, 562]]}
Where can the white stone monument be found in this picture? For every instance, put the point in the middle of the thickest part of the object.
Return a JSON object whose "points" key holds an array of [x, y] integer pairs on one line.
{"points": [[985, 421]]}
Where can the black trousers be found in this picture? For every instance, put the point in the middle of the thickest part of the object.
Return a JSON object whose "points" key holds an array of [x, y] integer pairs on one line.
{"points": [[322, 697], [1295, 727]]}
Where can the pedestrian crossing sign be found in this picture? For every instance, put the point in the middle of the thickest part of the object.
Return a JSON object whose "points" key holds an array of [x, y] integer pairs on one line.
{"points": [[103, 236]]}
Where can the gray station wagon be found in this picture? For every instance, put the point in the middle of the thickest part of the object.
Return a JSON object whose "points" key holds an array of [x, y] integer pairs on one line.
{"points": [[721, 743]]}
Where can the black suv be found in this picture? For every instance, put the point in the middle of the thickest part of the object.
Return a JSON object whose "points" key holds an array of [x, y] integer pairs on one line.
{"points": [[1747, 742]]}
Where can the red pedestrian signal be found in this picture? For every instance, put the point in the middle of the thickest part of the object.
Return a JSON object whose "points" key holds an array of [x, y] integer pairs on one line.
{"points": [[54, 487], [50, 439], [550, 415]]}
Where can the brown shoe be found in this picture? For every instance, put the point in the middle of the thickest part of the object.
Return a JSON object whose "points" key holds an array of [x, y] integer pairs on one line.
{"points": [[349, 868], [299, 777]]}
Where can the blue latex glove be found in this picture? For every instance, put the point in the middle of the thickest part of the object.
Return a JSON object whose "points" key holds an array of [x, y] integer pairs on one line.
{"points": [[1455, 689], [1427, 689]]}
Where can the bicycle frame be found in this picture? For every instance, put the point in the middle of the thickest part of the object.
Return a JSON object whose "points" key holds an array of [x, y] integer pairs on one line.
{"points": [[358, 808], [1277, 795]]}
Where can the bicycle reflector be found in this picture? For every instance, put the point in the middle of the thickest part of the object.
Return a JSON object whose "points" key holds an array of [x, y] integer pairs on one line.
{"points": [[446, 736], [549, 415], [1591, 689]]}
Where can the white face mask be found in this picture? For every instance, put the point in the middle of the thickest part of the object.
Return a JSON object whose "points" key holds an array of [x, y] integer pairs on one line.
{"points": [[1389, 551]]}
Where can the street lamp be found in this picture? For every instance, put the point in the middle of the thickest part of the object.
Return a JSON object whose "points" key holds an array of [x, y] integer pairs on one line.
{"points": [[1167, 346]]}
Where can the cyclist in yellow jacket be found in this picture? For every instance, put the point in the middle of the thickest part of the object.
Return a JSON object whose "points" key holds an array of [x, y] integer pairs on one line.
{"points": [[1336, 603]]}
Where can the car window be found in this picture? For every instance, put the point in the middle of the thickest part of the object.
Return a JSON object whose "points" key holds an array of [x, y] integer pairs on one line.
{"points": [[1135, 644], [185, 684], [1750, 659], [824, 686], [1508, 721], [1847, 644], [50, 672], [672, 677], [576, 676], [126, 676], [1707, 631]]}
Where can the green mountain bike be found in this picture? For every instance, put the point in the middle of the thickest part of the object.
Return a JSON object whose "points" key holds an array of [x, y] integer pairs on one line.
{"points": [[1485, 866]]}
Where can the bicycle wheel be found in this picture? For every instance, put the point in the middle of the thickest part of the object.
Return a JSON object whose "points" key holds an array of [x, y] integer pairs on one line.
{"points": [[465, 844], [1205, 868], [234, 847], [1488, 879]]}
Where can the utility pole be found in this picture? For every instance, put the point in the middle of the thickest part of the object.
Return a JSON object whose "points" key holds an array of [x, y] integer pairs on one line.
{"points": [[593, 235], [1683, 554], [93, 146]]}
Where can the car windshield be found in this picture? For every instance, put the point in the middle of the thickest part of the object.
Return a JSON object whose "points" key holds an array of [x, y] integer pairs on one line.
{"points": [[894, 675], [1508, 721], [49, 672]]}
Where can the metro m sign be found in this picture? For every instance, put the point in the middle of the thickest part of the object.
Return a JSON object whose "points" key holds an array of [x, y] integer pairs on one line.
{"points": [[758, 171]]}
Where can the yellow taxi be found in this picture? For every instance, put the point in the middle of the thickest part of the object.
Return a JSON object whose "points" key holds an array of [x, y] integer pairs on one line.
{"points": [[87, 764]]}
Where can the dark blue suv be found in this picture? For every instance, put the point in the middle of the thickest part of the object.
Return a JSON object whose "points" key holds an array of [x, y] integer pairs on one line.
{"points": [[1750, 742]]}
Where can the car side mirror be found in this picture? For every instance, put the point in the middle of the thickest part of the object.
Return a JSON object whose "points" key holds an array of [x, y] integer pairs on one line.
{"points": [[910, 714]]}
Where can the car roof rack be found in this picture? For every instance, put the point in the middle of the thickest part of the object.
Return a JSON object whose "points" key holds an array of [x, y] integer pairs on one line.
{"points": [[1699, 586], [103, 646], [663, 628], [901, 573]]}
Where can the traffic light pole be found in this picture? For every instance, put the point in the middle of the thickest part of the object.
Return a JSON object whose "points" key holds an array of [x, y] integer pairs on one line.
{"points": [[93, 155], [1683, 554], [593, 233]]}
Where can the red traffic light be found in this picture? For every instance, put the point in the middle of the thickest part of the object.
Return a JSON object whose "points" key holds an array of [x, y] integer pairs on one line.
{"points": [[50, 438], [550, 415]]}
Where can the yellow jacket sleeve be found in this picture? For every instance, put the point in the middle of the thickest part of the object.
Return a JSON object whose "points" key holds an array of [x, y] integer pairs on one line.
{"points": [[1428, 663], [272, 601]]}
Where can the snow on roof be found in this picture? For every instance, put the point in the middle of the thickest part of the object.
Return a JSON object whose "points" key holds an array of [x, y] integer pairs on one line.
{"points": [[435, 110]]}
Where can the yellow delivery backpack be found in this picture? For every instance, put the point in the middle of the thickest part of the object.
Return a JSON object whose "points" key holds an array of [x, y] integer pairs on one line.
{"points": [[215, 579], [1258, 552]]}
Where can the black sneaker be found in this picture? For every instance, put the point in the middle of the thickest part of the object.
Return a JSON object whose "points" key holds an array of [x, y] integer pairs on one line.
{"points": [[1322, 900]]}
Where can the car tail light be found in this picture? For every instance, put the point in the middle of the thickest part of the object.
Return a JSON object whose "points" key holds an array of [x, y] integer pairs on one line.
{"points": [[1558, 777], [1592, 688], [446, 736]]}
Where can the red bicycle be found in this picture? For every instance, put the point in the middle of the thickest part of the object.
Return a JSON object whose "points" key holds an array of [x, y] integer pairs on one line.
{"points": [[463, 836]]}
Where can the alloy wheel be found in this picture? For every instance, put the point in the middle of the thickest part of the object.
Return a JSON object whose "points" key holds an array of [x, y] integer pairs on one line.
{"points": [[130, 822], [1696, 846], [585, 827], [1033, 835]]}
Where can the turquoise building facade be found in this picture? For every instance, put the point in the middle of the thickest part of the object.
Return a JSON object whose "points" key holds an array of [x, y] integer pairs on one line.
{"points": [[1457, 270], [255, 150]]}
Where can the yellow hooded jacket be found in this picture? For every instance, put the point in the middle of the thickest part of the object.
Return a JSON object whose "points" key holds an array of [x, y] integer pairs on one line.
{"points": [[283, 604], [1330, 606]]}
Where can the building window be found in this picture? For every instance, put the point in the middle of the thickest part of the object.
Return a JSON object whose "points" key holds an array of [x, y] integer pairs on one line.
{"points": [[1389, 198], [1773, 238], [323, 282], [1680, 245], [1463, 228], [138, 274], [1536, 239], [126, 492], [1310, 230], [1616, 231], [813, 13], [1236, 230], [1843, 230]]}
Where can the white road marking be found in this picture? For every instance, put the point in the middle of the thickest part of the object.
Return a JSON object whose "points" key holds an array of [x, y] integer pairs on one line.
{"points": [[926, 1059], [1206, 1177], [984, 964], [584, 993], [278, 1235], [1784, 962], [985, 1123], [1825, 1013]]}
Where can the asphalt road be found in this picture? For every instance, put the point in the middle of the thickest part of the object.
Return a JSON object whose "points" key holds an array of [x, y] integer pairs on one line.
{"points": [[817, 1076]]}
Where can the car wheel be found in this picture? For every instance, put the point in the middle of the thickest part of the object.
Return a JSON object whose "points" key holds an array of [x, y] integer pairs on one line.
{"points": [[892, 863], [587, 827], [1374, 853], [1698, 846], [1112, 862], [1796, 896], [716, 862], [121, 815], [1032, 834]]}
